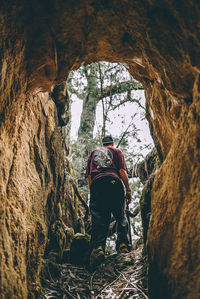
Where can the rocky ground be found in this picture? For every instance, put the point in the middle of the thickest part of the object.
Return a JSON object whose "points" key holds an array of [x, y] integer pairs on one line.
{"points": [[120, 276]]}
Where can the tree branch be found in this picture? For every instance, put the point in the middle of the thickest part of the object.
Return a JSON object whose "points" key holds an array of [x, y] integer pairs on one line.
{"points": [[79, 197], [80, 95], [125, 132], [102, 101], [134, 213], [127, 100], [120, 88]]}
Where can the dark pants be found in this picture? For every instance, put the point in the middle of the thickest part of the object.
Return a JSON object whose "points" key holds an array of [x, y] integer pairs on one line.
{"points": [[106, 197]]}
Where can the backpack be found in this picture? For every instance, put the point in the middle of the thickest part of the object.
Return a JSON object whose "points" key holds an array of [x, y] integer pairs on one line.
{"points": [[102, 158]]}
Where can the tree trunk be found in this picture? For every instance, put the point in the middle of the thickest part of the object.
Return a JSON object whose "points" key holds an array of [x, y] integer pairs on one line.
{"points": [[90, 102], [88, 116]]}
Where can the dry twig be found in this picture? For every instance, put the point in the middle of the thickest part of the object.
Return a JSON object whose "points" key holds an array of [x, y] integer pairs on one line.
{"points": [[112, 279]]}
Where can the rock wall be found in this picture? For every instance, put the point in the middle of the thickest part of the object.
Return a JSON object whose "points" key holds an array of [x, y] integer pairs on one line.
{"points": [[173, 237], [159, 43], [33, 185]]}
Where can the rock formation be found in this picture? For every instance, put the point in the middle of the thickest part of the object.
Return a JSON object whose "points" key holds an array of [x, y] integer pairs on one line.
{"points": [[41, 41]]}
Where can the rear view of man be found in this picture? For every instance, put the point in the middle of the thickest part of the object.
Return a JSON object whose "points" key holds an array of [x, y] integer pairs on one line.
{"points": [[108, 180]]}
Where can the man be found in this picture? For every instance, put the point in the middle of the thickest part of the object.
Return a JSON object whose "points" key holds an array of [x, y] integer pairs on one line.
{"points": [[108, 180]]}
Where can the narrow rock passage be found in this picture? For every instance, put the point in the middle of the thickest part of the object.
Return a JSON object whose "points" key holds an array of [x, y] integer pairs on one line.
{"points": [[120, 276]]}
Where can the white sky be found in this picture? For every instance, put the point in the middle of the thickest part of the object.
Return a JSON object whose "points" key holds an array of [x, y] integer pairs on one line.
{"points": [[116, 116]]}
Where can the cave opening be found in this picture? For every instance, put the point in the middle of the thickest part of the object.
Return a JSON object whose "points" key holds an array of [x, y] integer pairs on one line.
{"points": [[105, 99]]}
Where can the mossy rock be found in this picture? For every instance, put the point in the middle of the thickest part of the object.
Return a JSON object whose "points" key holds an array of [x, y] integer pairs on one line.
{"points": [[60, 237], [69, 231], [50, 270], [80, 249]]}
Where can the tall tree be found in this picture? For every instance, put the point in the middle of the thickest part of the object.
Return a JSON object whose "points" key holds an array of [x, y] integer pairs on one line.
{"points": [[101, 82], [90, 102]]}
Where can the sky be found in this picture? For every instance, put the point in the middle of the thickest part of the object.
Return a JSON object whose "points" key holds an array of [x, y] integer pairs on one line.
{"points": [[123, 113]]}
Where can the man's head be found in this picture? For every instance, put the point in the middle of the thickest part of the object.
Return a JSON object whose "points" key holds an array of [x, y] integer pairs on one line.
{"points": [[107, 140]]}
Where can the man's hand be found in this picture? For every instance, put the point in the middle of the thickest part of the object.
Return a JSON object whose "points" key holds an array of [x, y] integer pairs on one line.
{"points": [[89, 180], [124, 177], [128, 196]]}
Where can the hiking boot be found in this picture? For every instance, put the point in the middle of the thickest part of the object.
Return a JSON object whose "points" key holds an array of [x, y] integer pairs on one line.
{"points": [[97, 257], [123, 248]]}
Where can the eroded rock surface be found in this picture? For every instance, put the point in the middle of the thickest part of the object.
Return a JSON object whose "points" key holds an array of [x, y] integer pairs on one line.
{"points": [[32, 184], [40, 42]]}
